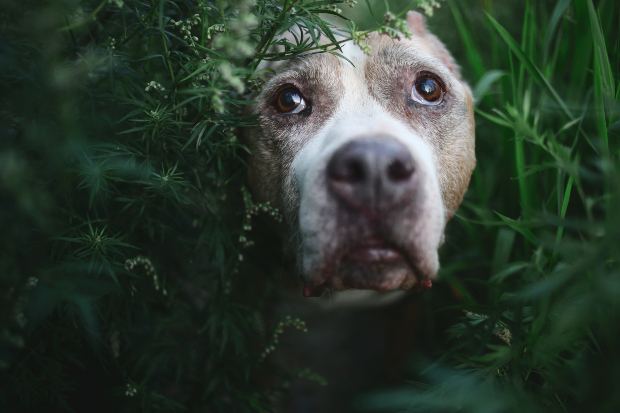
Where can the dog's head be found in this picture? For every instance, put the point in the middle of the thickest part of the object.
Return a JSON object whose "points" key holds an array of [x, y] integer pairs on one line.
{"points": [[368, 161]]}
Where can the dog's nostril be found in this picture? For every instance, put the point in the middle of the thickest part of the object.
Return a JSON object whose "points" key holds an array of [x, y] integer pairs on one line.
{"points": [[352, 171], [400, 169], [347, 167]]}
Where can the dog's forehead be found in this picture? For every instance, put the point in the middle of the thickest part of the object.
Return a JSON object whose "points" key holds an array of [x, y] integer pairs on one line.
{"points": [[356, 65], [414, 51]]}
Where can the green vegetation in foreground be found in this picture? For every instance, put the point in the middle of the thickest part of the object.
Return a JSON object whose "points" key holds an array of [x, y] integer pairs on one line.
{"points": [[533, 255]]}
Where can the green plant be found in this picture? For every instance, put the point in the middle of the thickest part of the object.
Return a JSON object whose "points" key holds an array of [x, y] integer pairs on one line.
{"points": [[533, 255]]}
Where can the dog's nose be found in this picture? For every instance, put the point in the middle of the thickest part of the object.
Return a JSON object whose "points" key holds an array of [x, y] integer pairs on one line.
{"points": [[372, 173]]}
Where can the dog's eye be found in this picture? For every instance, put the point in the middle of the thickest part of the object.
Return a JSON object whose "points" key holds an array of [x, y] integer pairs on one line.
{"points": [[427, 90], [290, 101]]}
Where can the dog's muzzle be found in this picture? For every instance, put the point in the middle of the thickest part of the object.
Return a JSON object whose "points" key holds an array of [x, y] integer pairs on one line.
{"points": [[381, 222]]}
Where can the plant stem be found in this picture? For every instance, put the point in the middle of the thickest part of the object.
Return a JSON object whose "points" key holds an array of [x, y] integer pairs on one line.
{"points": [[167, 57], [266, 40], [223, 16], [137, 30], [558, 236], [86, 20]]}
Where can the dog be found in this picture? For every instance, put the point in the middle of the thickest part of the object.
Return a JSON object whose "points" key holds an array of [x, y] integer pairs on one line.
{"points": [[367, 159]]}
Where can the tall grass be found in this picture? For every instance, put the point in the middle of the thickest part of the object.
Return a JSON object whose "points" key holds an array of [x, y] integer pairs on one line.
{"points": [[531, 264]]}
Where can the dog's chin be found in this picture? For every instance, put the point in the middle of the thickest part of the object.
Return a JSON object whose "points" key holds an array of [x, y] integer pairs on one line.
{"points": [[388, 275], [371, 266]]}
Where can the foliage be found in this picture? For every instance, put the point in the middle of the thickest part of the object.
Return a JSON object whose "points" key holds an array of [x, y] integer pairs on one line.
{"points": [[122, 224], [124, 218], [532, 261]]}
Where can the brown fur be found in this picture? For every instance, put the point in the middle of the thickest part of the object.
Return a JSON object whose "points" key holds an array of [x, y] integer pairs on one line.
{"points": [[290, 153]]}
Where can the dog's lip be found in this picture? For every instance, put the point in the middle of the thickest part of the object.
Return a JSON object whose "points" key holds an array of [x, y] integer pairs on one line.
{"points": [[373, 250], [310, 290]]}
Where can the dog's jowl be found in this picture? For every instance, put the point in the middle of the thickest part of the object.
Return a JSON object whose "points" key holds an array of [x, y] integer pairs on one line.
{"points": [[367, 161]]}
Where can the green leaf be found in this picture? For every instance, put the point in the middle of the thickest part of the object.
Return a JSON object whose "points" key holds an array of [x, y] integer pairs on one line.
{"points": [[614, 128], [527, 63], [485, 83], [558, 13], [513, 268], [465, 35], [566, 198], [495, 119], [599, 104], [134, 130], [521, 230], [203, 68], [602, 68]]}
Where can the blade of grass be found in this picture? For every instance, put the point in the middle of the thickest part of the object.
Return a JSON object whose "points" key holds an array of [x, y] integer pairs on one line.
{"points": [[601, 122], [558, 13], [529, 235], [473, 56], [605, 77], [455, 284], [530, 66], [484, 84], [559, 54], [582, 48], [504, 243], [599, 104], [495, 119], [558, 237], [371, 12], [524, 37], [522, 179]]}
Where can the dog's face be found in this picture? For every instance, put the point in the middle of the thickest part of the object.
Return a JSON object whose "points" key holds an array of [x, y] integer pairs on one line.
{"points": [[366, 162]]}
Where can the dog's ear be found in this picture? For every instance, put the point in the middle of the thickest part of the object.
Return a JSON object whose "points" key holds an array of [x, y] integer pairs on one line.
{"points": [[417, 26], [416, 23]]}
